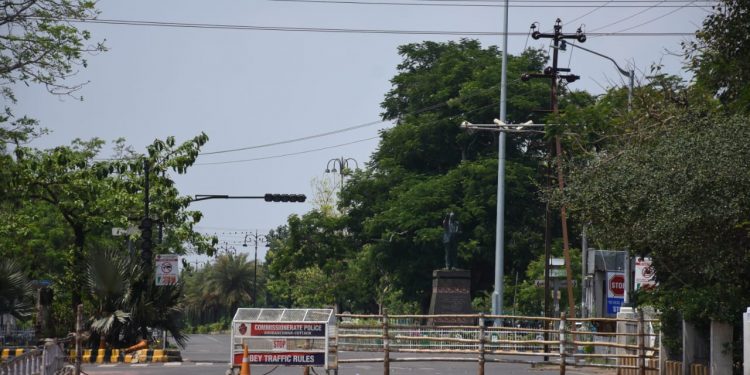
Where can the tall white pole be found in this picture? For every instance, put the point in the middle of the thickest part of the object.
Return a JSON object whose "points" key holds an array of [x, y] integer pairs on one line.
{"points": [[497, 295]]}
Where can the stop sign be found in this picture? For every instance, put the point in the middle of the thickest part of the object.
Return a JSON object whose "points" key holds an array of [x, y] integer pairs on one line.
{"points": [[617, 285]]}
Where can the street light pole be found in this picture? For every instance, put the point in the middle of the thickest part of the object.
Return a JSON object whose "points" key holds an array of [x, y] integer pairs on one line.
{"points": [[497, 294], [255, 239]]}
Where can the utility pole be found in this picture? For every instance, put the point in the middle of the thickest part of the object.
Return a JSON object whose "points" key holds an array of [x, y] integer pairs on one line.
{"points": [[553, 74]]}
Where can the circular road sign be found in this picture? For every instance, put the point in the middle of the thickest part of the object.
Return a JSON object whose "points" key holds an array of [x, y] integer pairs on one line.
{"points": [[617, 285]]}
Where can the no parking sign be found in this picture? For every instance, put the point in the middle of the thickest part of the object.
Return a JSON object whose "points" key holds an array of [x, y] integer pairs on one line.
{"points": [[167, 269]]}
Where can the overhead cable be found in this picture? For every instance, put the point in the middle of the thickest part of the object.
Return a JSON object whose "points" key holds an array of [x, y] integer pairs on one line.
{"points": [[342, 30], [483, 4]]}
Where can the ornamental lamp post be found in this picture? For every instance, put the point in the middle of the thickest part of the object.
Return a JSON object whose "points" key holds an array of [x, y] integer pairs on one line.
{"points": [[254, 240], [343, 167]]}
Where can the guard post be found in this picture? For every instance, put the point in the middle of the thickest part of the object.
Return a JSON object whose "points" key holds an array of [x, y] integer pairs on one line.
{"points": [[281, 337]]}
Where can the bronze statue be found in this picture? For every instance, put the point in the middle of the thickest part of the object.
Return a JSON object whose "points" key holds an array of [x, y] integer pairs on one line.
{"points": [[450, 232]]}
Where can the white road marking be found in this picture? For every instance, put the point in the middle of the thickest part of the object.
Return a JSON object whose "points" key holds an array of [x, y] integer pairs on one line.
{"points": [[204, 364], [173, 364]]}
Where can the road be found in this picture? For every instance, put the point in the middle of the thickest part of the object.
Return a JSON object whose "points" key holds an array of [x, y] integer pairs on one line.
{"points": [[208, 355]]}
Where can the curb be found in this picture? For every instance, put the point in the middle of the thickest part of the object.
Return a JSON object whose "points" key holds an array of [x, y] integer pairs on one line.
{"points": [[119, 356], [10, 353]]}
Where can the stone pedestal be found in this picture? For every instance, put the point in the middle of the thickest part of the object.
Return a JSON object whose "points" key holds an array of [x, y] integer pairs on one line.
{"points": [[451, 294]]}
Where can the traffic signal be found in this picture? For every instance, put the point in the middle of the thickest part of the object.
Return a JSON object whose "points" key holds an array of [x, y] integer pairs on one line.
{"points": [[284, 197]]}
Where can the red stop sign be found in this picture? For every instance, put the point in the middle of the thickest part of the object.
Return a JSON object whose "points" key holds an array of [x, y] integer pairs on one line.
{"points": [[617, 285]]}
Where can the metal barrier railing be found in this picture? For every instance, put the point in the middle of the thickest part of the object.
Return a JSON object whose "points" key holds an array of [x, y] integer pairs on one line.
{"points": [[45, 361], [27, 363], [563, 340]]}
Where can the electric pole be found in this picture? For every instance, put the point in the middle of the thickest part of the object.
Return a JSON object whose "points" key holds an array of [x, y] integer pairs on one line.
{"points": [[553, 74]]}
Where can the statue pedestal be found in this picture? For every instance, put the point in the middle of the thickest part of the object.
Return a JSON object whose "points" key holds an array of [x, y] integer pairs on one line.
{"points": [[451, 295]]}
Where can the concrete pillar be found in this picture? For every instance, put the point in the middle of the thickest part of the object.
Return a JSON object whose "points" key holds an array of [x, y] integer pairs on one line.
{"points": [[746, 341], [626, 312], [695, 347], [688, 346], [721, 350]]}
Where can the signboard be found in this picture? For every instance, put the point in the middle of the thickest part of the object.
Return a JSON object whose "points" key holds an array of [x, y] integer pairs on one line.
{"points": [[645, 275], [281, 337], [557, 262], [279, 344], [288, 329], [615, 291], [557, 272], [167, 269], [560, 283], [284, 359]]}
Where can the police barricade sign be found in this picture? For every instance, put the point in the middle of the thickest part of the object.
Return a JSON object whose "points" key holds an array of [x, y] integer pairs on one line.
{"points": [[286, 337]]}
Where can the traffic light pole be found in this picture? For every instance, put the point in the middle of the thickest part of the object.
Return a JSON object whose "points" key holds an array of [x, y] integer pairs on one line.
{"points": [[267, 197]]}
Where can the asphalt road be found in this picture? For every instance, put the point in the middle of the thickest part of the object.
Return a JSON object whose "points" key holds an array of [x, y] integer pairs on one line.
{"points": [[209, 355]]}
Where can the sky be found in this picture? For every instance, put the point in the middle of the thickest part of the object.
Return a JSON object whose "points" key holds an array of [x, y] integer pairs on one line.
{"points": [[274, 76]]}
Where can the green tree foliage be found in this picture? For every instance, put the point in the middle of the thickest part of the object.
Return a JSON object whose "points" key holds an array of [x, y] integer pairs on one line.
{"points": [[678, 196], [232, 278], [308, 262], [427, 166], [214, 292], [61, 204], [720, 57], [39, 45], [122, 310], [15, 290], [383, 247]]}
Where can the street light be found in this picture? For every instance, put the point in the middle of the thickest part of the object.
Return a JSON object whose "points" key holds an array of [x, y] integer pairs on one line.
{"points": [[630, 74], [227, 249], [343, 165], [254, 240]]}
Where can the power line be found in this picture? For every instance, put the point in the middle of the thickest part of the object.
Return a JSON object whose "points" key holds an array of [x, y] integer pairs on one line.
{"points": [[458, 4], [343, 30], [589, 12], [285, 155], [625, 19], [652, 20], [295, 139], [573, 1]]}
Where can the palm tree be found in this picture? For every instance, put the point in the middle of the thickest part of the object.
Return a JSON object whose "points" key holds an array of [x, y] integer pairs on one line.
{"points": [[109, 279], [232, 278], [124, 306], [15, 291]]}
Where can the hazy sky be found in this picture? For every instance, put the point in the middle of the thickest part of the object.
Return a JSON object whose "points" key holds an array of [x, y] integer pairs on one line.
{"points": [[247, 87]]}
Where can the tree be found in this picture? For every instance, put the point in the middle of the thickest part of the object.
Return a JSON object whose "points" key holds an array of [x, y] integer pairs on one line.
{"points": [[40, 45], [15, 291], [720, 57], [92, 196], [679, 198], [124, 309], [427, 166], [231, 278]]}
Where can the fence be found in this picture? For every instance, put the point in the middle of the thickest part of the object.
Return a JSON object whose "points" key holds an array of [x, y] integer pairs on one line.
{"points": [[555, 341]]}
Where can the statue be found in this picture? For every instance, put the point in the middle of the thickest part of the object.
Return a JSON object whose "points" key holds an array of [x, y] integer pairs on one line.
{"points": [[450, 231]]}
